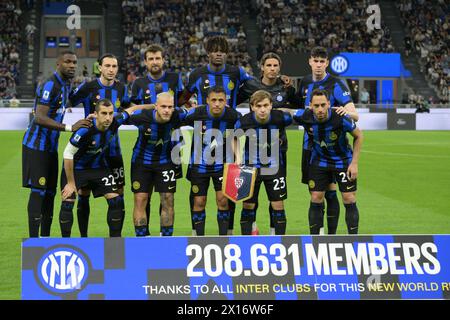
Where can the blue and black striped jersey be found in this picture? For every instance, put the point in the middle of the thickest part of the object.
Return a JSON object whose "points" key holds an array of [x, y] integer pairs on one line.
{"points": [[262, 139], [338, 92], [281, 98], [89, 93], [154, 143], [54, 94], [205, 145], [230, 78], [145, 89], [330, 146], [93, 143]]}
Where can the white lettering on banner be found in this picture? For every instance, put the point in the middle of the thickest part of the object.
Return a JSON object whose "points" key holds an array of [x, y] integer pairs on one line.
{"points": [[277, 259]]}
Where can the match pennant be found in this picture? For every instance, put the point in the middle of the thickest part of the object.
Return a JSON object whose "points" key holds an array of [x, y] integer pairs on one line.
{"points": [[238, 182]]}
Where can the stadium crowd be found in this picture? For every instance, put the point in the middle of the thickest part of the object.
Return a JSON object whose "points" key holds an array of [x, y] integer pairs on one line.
{"points": [[180, 26], [334, 24], [9, 48], [427, 24]]}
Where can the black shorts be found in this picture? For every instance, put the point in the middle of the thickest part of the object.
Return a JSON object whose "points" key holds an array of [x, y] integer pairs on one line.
{"points": [[320, 178], [145, 177], [117, 169], [100, 181], [306, 157], [276, 186], [39, 169], [200, 182], [178, 171]]}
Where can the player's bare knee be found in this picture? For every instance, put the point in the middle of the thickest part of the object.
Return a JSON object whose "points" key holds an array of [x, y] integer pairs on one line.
{"points": [[248, 206], [349, 197], [111, 195], [140, 199], [222, 202], [200, 202], [317, 196], [277, 205]]}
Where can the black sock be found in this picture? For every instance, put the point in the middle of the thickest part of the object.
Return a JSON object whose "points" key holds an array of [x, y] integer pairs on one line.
{"points": [[271, 216], [66, 218], [123, 210], [352, 218], [247, 218], [147, 213], [35, 204], [333, 211], [115, 216], [83, 212], [160, 226], [232, 209], [315, 216], [140, 231], [198, 220], [223, 220], [279, 220], [191, 203], [166, 231], [47, 212]]}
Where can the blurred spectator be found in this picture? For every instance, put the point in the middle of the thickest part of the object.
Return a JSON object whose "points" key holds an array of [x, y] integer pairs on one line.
{"points": [[421, 107], [14, 102], [181, 26], [364, 96], [9, 47], [30, 29], [339, 25], [427, 23]]}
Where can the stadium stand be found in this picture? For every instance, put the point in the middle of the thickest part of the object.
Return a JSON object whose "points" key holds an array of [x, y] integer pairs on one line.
{"points": [[427, 24], [10, 38], [180, 27], [334, 24]]}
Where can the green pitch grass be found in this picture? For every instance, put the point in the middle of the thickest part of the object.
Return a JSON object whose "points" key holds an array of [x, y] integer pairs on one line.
{"points": [[403, 188]]}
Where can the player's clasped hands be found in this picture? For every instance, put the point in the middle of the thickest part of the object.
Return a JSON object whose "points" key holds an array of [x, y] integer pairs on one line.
{"points": [[67, 192]]}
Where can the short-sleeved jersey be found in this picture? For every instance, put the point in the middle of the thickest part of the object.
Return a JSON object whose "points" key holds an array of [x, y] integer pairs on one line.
{"points": [[89, 93], [154, 143], [330, 146], [205, 144], [53, 93], [230, 78], [261, 138], [93, 143], [145, 89], [338, 92]]}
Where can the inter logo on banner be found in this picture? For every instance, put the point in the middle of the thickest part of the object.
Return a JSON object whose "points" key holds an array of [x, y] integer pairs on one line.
{"points": [[238, 182]]}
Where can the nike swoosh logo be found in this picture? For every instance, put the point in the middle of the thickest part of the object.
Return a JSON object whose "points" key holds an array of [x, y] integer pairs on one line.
{"points": [[170, 188], [204, 88], [282, 195], [348, 188]]}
